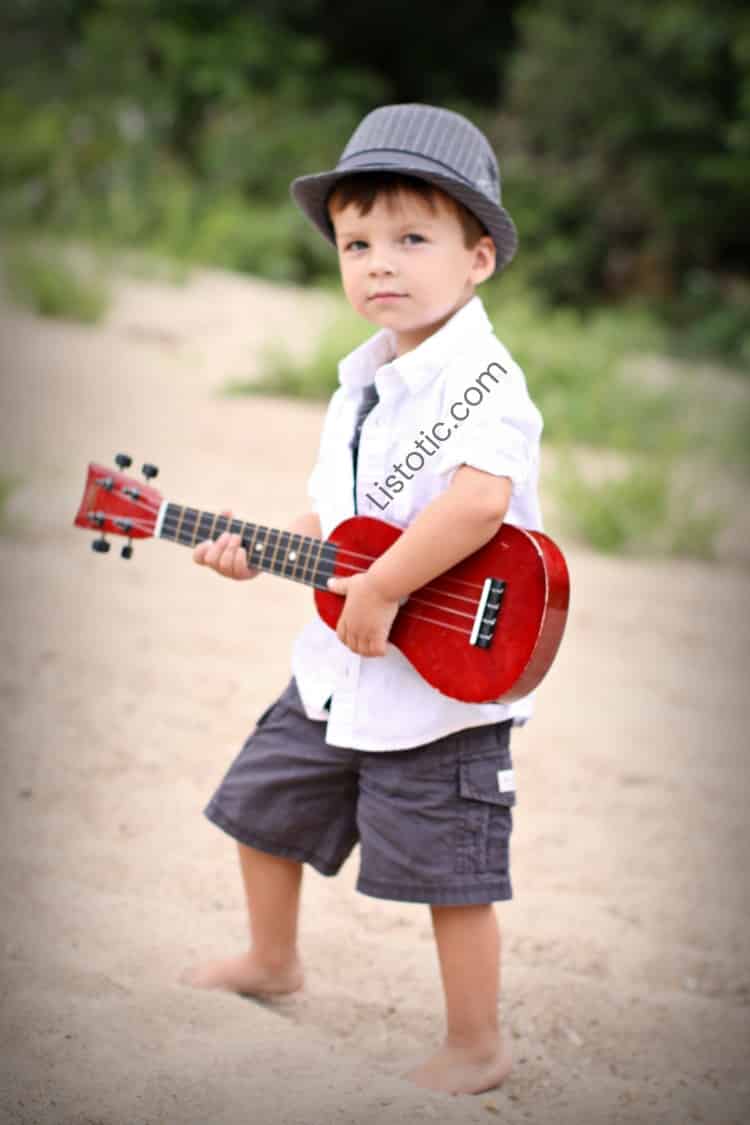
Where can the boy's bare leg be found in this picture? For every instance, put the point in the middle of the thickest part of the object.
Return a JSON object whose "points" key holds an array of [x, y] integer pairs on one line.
{"points": [[271, 966], [474, 1056]]}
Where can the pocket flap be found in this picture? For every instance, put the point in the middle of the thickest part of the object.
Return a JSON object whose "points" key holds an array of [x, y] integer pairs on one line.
{"points": [[485, 780]]}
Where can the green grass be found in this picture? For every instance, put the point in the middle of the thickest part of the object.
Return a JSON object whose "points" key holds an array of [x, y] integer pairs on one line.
{"points": [[589, 397], [572, 365], [45, 280], [642, 512], [316, 378]]}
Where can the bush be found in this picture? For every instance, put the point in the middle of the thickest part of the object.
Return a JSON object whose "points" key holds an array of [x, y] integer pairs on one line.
{"points": [[46, 282], [271, 241], [639, 513], [573, 362], [317, 377], [711, 319]]}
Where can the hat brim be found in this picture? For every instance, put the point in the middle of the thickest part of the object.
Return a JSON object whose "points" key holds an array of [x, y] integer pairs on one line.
{"points": [[310, 193]]}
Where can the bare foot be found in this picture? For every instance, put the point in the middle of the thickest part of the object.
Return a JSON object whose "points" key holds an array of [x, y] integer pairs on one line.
{"points": [[246, 975], [463, 1070]]}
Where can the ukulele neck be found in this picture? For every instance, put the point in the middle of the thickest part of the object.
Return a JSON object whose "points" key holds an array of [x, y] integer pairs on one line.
{"points": [[287, 554]]}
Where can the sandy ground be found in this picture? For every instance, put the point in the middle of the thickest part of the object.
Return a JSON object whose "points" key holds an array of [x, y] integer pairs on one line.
{"points": [[126, 688]]}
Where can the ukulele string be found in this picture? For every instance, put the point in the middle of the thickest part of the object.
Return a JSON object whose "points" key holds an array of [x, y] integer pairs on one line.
{"points": [[170, 525], [405, 611]]}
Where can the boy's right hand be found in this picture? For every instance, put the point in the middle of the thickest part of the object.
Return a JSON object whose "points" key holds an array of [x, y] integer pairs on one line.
{"points": [[225, 555]]}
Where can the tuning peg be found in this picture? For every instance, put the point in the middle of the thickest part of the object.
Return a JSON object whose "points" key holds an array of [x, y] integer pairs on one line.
{"points": [[123, 461], [101, 545], [149, 471], [127, 551]]}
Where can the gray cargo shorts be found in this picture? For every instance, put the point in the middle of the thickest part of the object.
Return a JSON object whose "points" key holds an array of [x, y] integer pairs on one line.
{"points": [[433, 822]]}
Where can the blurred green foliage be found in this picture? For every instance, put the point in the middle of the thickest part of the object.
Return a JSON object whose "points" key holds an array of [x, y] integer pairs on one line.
{"points": [[46, 281], [594, 401], [573, 363], [623, 133], [639, 512]]}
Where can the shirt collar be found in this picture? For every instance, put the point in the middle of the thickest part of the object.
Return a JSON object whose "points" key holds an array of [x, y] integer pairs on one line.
{"points": [[422, 363]]}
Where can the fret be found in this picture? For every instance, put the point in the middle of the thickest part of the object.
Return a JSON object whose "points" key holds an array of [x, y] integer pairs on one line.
{"points": [[179, 524], [277, 557], [170, 516], [326, 565], [243, 533], [310, 561], [304, 550], [257, 550], [204, 526], [271, 548], [284, 553], [187, 532], [295, 541], [222, 522]]}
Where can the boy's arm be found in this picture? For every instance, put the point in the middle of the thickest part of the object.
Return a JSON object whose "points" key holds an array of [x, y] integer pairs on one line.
{"points": [[308, 524], [453, 525]]}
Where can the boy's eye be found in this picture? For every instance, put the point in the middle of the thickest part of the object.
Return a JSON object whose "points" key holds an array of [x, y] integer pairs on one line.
{"points": [[357, 243]]}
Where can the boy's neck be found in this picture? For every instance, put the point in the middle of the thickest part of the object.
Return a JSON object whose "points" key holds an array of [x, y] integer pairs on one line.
{"points": [[407, 342]]}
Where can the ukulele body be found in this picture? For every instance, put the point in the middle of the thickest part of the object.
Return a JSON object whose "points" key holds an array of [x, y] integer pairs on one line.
{"points": [[433, 628]]}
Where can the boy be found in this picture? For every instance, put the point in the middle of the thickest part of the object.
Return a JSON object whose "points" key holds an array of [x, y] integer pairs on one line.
{"points": [[359, 747]]}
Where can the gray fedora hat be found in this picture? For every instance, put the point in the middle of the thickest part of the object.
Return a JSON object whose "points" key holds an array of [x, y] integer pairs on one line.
{"points": [[433, 144]]}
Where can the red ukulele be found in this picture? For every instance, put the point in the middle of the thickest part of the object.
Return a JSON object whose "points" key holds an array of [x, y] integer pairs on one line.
{"points": [[487, 630]]}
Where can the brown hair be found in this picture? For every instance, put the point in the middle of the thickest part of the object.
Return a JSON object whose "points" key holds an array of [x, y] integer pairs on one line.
{"points": [[362, 188]]}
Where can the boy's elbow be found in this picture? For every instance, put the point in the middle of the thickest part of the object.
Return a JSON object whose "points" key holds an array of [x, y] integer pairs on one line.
{"points": [[498, 499], [488, 495]]}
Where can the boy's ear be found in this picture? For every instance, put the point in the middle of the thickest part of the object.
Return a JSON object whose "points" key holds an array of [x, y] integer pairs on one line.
{"points": [[485, 257]]}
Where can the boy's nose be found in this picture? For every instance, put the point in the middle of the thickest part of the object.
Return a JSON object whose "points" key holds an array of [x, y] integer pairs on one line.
{"points": [[380, 264]]}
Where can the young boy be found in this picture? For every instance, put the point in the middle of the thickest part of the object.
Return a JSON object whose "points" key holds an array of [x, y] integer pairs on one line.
{"points": [[359, 747]]}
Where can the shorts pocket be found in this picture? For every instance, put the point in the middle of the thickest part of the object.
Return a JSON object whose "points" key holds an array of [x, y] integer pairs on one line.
{"points": [[486, 821], [285, 702], [262, 718]]}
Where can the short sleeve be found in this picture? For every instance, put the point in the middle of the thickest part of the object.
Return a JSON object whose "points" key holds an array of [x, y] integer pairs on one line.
{"points": [[490, 421], [319, 478]]}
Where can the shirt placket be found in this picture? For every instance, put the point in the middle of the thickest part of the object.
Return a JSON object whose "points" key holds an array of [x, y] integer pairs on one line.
{"points": [[345, 705]]}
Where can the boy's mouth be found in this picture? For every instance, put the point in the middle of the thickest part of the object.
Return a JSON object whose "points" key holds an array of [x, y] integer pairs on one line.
{"points": [[385, 296]]}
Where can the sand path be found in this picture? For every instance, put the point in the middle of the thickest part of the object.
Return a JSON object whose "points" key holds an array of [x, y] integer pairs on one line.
{"points": [[127, 686]]}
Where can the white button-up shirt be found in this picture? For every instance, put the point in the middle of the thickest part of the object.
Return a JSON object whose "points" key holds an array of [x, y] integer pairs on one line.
{"points": [[381, 702]]}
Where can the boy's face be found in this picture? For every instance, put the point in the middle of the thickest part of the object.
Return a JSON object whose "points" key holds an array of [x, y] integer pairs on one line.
{"points": [[413, 256]]}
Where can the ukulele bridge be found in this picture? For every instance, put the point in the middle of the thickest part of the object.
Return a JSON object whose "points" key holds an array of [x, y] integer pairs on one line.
{"points": [[487, 613]]}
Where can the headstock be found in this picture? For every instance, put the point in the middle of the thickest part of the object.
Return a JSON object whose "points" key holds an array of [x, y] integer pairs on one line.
{"points": [[116, 503]]}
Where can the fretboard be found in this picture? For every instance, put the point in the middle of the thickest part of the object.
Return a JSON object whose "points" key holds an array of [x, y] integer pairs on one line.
{"points": [[290, 555]]}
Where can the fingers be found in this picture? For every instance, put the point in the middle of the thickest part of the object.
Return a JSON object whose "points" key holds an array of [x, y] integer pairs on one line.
{"points": [[363, 645], [202, 549], [225, 555]]}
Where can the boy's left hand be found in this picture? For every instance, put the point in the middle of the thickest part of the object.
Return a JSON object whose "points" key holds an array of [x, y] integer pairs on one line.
{"points": [[367, 616]]}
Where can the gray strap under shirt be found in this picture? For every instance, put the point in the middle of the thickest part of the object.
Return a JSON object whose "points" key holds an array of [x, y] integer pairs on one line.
{"points": [[367, 402]]}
